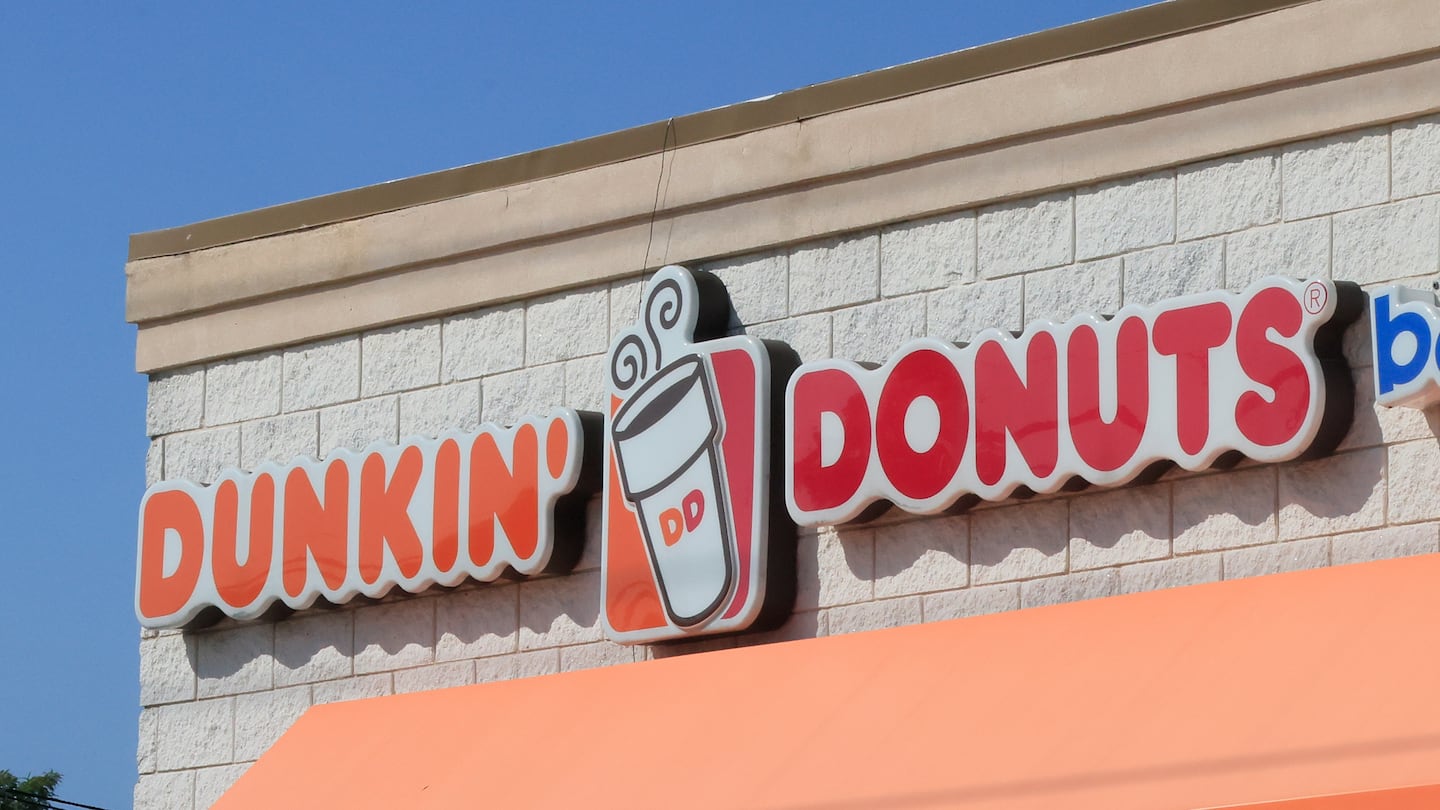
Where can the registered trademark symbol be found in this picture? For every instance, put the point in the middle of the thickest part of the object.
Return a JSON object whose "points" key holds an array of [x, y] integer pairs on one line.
{"points": [[1316, 296]]}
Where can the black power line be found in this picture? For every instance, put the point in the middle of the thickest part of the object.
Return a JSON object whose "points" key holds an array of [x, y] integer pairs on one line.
{"points": [[30, 799], [37, 800]]}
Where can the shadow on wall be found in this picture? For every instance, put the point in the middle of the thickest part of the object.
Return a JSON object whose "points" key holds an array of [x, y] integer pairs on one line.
{"points": [[559, 608]]}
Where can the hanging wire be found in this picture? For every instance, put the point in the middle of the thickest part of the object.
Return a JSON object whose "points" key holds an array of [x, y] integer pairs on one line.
{"points": [[659, 179], [30, 799], [37, 800]]}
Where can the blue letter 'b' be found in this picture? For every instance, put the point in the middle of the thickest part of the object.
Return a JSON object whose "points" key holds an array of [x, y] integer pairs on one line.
{"points": [[1389, 373]]}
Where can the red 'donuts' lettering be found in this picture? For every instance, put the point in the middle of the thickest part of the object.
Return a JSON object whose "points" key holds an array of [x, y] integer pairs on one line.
{"points": [[921, 379], [1019, 407], [1271, 419], [1189, 334], [1104, 442], [1182, 381], [829, 413]]}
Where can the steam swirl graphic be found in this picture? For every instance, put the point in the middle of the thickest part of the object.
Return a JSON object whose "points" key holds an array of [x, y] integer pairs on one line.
{"points": [[662, 312], [628, 362], [637, 354]]}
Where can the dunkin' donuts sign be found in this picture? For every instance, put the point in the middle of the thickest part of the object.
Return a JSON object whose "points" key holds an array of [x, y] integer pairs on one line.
{"points": [[714, 446]]}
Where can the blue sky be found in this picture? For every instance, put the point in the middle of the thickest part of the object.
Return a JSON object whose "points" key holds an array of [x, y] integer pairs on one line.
{"points": [[124, 117]]}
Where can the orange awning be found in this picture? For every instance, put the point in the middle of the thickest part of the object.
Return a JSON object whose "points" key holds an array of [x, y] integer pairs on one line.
{"points": [[1314, 684]]}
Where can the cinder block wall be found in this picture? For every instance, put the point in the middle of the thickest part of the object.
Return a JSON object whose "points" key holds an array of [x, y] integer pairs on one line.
{"points": [[1361, 206]]}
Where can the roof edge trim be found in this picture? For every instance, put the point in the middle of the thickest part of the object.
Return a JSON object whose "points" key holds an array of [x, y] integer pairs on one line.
{"points": [[1143, 24]]}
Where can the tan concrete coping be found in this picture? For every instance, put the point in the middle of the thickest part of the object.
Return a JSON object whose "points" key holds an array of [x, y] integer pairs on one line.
{"points": [[1238, 84]]}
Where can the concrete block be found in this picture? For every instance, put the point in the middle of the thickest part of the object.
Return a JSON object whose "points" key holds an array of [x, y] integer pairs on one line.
{"points": [[1355, 343], [359, 688], [503, 667], [400, 358], [1388, 242], [1089, 288], [594, 525], [1385, 544], [261, 718], [1414, 467], [236, 660], [1172, 573], [568, 325], [808, 335], [585, 388], [484, 342], [242, 388], [319, 374], [560, 611], [1277, 558], [928, 254], [1290, 249], [593, 656], [1121, 526], [1336, 172], [834, 568], [435, 676], [922, 556], [192, 735], [1373, 424], [1070, 587], [355, 425], [166, 791], [1228, 510], [1126, 214], [1174, 270], [877, 615], [800, 624], [759, 286], [509, 397], [625, 304], [681, 648], [478, 623], [154, 462], [279, 439], [960, 313], [1340, 493], [210, 783], [432, 411], [875, 331], [315, 647], [532, 664], [1229, 194], [519, 665], [149, 727], [167, 669], [1415, 157], [971, 602], [1019, 542], [394, 635], [1032, 234], [201, 455], [175, 401], [834, 273]]}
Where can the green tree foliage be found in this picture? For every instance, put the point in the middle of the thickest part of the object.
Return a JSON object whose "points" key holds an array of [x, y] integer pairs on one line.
{"points": [[41, 786]]}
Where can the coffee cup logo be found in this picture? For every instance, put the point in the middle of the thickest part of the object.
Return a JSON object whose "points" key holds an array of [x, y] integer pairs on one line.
{"points": [[689, 546], [664, 440]]}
